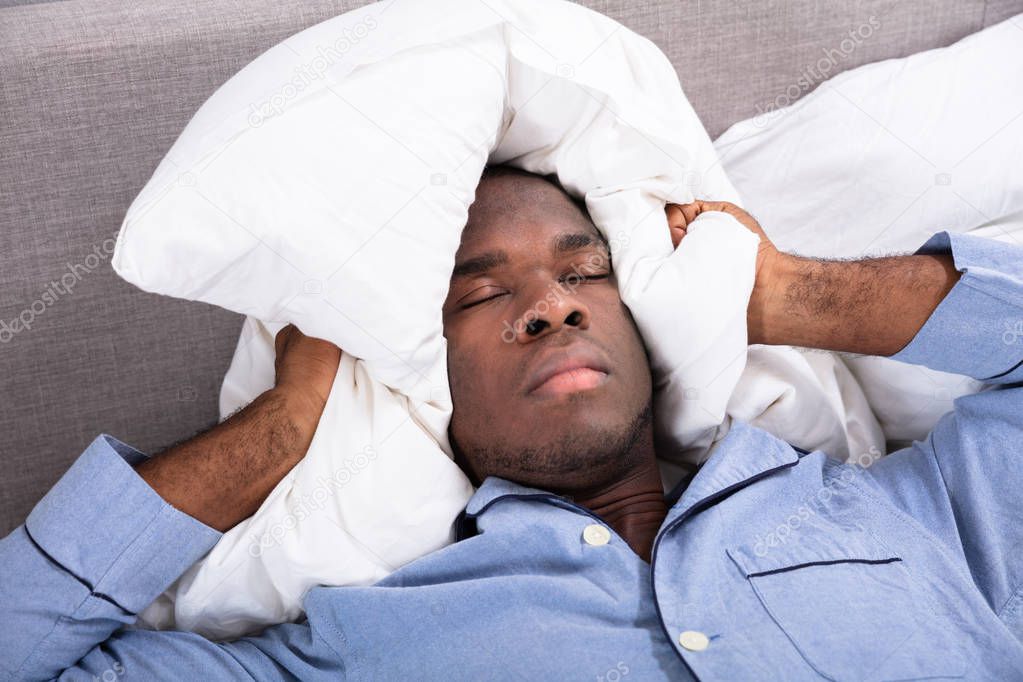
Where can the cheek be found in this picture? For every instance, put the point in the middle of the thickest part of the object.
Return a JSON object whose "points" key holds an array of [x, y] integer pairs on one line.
{"points": [[477, 395], [612, 313], [469, 366], [457, 366], [624, 335]]}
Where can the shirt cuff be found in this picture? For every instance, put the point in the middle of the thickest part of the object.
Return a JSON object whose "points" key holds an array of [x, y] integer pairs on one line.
{"points": [[106, 526], [977, 329]]}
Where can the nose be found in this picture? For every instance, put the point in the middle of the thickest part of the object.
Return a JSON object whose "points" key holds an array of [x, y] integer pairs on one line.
{"points": [[548, 316]]}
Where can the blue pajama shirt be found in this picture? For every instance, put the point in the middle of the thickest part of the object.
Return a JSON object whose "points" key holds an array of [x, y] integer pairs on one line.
{"points": [[772, 563]]}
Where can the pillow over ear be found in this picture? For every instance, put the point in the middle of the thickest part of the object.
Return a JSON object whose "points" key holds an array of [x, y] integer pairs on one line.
{"points": [[878, 159], [336, 201], [327, 185]]}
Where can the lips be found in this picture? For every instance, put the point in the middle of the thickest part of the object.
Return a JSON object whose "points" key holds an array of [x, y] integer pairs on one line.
{"points": [[568, 371]]}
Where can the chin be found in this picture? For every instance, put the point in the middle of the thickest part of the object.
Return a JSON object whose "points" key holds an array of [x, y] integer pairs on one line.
{"points": [[575, 473], [568, 444], [604, 418], [565, 443]]}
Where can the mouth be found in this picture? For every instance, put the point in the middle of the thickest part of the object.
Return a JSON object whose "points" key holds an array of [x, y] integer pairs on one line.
{"points": [[566, 373]]}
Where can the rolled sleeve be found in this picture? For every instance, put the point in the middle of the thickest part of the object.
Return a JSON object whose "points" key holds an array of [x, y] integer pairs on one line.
{"points": [[96, 550], [977, 330], [104, 524], [962, 482]]}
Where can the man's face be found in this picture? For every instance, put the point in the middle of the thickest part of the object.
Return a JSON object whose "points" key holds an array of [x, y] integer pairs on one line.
{"points": [[549, 377]]}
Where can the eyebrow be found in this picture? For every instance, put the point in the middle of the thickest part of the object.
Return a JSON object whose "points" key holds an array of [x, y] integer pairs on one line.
{"points": [[563, 243], [567, 242], [480, 264]]}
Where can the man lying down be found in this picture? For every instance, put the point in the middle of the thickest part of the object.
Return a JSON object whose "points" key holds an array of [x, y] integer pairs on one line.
{"points": [[570, 562]]}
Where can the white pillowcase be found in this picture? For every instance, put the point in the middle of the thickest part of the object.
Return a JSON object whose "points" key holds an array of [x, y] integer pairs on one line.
{"points": [[373, 493], [337, 203], [347, 205], [879, 158]]}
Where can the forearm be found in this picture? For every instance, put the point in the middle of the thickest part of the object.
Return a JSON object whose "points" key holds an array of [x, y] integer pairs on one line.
{"points": [[956, 305], [873, 306], [221, 477]]}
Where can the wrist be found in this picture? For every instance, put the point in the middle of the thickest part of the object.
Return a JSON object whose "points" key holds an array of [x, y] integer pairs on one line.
{"points": [[872, 306], [220, 477], [766, 317], [302, 409]]}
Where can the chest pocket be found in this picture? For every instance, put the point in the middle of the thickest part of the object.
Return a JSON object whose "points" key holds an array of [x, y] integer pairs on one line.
{"points": [[851, 607]]}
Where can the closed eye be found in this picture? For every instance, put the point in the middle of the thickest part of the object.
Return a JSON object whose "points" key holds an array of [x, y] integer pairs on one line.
{"points": [[580, 276], [482, 300], [588, 278]]}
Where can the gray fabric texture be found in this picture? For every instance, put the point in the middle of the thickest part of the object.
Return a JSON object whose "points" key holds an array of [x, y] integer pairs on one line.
{"points": [[93, 93], [12, 3]]}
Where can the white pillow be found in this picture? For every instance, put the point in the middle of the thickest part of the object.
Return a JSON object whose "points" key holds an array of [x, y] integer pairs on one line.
{"points": [[255, 208], [337, 203], [879, 158]]}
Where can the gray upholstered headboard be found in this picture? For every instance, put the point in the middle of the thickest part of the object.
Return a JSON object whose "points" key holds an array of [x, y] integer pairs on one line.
{"points": [[93, 93]]}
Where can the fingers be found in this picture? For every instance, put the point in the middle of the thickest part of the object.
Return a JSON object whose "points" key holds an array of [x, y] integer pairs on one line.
{"points": [[673, 212], [690, 211], [722, 206], [281, 342], [678, 221], [677, 235], [681, 216], [290, 341], [305, 367], [291, 338]]}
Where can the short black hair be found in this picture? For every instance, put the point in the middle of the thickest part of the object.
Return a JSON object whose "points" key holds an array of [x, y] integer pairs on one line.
{"points": [[502, 169]]}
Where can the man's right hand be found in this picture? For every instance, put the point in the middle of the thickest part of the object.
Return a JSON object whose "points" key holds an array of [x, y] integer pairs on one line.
{"points": [[305, 368]]}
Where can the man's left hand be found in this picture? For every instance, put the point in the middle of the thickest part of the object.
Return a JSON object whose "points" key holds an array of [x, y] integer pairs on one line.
{"points": [[770, 261]]}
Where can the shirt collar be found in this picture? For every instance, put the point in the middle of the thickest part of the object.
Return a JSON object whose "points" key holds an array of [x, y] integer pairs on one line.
{"points": [[494, 487], [745, 454]]}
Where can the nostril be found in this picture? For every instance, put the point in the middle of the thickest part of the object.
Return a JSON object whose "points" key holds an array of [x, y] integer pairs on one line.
{"points": [[534, 327], [574, 318]]}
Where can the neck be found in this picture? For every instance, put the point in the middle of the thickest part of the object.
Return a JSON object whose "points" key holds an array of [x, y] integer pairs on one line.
{"points": [[633, 506]]}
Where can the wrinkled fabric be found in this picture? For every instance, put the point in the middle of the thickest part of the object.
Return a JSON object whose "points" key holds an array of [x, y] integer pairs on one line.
{"points": [[339, 203], [877, 158]]}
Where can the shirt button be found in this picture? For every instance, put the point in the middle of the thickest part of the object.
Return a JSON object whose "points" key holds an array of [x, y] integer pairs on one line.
{"points": [[693, 640], [596, 534]]}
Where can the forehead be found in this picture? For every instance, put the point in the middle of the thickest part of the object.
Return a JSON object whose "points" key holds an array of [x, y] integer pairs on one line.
{"points": [[545, 233], [522, 210]]}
